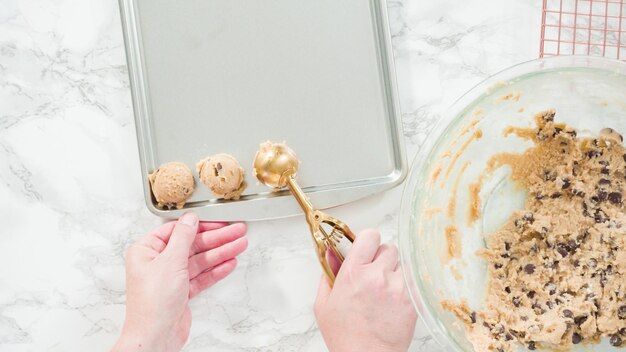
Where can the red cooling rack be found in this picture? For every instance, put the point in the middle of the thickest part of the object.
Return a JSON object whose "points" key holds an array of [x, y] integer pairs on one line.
{"points": [[584, 27]]}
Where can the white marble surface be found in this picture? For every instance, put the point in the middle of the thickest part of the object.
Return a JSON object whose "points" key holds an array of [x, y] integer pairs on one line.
{"points": [[70, 187]]}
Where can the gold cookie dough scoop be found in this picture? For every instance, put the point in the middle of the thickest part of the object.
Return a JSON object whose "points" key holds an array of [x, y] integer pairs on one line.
{"points": [[275, 165]]}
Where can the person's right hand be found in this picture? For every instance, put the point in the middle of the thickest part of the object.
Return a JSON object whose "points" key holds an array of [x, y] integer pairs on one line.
{"points": [[368, 309]]}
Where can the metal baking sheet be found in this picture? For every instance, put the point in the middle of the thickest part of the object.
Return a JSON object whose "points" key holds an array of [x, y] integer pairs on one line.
{"points": [[213, 76]]}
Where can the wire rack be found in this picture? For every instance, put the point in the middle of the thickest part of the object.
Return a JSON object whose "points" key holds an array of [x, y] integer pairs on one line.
{"points": [[584, 27]]}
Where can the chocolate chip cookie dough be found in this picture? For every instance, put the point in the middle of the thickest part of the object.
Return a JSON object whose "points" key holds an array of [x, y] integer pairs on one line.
{"points": [[223, 175], [557, 269], [172, 185]]}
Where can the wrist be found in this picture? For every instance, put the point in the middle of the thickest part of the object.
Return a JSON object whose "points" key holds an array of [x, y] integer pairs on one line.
{"points": [[369, 347], [136, 341]]}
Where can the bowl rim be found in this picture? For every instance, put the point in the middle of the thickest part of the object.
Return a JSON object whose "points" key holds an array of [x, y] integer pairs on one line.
{"points": [[414, 286]]}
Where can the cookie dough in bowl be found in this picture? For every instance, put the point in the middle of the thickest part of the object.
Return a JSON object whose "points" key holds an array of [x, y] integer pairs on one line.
{"points": [[511, 230]]}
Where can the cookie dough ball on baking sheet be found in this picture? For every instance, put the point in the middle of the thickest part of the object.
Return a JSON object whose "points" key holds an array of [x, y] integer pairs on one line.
{"points": [[223, 175], [172, 185]]}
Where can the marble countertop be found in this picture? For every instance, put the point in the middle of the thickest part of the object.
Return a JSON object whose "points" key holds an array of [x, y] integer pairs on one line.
{"points": [[71, 191]]}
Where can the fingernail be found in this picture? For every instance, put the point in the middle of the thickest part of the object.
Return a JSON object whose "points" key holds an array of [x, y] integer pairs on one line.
{"points": [[189, 218]]}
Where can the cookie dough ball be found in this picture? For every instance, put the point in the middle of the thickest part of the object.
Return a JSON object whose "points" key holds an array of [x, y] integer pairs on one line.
{"points": [[172, 185], [223, 175]]}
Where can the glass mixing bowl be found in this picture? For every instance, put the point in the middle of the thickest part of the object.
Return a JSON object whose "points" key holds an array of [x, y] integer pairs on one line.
{"points": [[588, 94]]}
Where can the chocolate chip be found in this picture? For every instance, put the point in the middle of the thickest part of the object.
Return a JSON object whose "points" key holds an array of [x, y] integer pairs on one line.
{"points": [[616, 340], [566, 183], [562, 250], [585, 209], [550, 304], [621, 312], [530, 217], [568, 313], [497, 266], [578, 193], [580, 320], [508, 337], [622, 331], [548, 116], [516, 301], [555, 195], [571, 245], [531, 294], [532, 346], [538, 309], [507, 289], [549, 175], [507, 246], [473, 317], [592, 154], [600, 216], [576, 338], [604, 181], [604, 171], [603, 163], [572, 133], [529, 269], [624, 156], [602, 195], [615, 198]]}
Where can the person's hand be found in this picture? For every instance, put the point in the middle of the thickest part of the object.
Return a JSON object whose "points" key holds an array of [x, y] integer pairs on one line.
{"points": [[369, 308], [164, 270]]}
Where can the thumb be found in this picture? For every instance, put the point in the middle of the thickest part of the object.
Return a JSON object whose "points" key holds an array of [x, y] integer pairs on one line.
{"points": [[323, 292], [183, 236]]}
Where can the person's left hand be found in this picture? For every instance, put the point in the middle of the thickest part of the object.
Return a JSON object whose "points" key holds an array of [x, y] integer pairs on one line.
{"points": [[164, 270]]}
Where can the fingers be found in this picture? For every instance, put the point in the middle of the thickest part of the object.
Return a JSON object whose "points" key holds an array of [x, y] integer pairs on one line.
{"points": [[217, 237], [212, 258], [333, 261], [183, 235], [211, 277], [158, 238], [210, 226], [387, 257], [323, 292], [364, 248]]}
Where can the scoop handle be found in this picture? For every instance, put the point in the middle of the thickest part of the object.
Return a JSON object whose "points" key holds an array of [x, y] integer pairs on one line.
{"points": [[334, 235], [328, 233]]}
